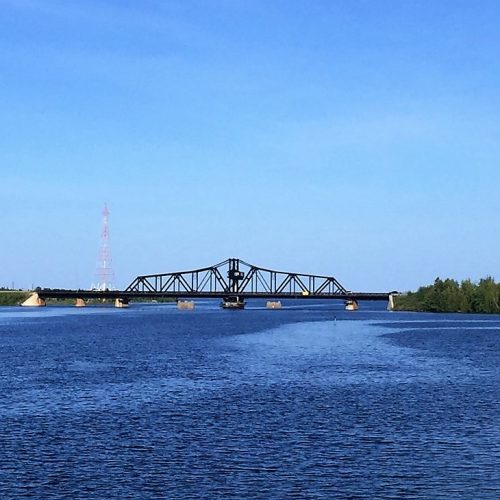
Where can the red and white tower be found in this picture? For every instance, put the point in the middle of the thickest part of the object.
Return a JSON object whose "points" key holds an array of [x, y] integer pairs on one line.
{"points": [[105, 275]]}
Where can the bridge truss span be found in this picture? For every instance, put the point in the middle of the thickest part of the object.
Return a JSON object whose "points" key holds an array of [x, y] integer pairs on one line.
{"points": [[237, 277], [233, 281]]}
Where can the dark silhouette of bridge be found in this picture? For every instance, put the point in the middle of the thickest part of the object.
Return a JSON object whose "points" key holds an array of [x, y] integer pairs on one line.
{"points": [[232, 280]]}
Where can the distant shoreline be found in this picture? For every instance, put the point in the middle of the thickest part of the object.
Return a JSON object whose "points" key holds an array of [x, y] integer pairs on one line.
{"points": [[11, 298], [449, 296]]}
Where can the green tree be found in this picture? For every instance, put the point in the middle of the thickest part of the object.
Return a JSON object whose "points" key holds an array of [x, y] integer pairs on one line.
{"points": [[450, 296], [486, 298]]}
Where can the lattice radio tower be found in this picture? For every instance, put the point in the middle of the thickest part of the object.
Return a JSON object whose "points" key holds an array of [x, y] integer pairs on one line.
{"points": [[105, 274]]}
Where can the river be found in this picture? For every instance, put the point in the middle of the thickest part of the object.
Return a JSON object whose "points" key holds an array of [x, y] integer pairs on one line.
{"points": [[305, 402]]}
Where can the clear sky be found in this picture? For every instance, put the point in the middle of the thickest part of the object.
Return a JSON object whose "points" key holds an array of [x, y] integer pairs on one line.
{"points": [[355, 138]]}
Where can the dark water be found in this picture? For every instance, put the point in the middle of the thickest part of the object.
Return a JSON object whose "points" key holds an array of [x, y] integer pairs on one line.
{"points": [[152, 402]]}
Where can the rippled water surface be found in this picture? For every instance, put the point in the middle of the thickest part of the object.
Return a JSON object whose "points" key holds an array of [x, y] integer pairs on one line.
{"points": [[306, 402]]}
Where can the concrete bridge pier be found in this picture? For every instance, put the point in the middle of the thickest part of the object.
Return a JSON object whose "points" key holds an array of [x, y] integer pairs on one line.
{"points": [[351, 305], [390, 305], [273, 304], [120, 302], [185, 305], [233, 302], [34, 300]]}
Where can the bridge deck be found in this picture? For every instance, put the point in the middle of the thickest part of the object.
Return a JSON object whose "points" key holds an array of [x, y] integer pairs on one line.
{"points": [[115, 294]]}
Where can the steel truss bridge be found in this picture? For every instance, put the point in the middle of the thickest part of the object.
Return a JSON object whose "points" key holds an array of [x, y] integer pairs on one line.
{"points": [[230, 279]]}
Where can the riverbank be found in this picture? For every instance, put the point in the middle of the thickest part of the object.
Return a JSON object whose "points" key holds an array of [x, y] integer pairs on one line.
{"points": [[450, 296], [13, 297]]}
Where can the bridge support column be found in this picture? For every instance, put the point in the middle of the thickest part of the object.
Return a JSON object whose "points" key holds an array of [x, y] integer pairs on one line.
{"points": [[233, 302], [120, 302], [34, 300], [80, 303], [273, 304], [390, 305], [351, 305], [185, 305]]}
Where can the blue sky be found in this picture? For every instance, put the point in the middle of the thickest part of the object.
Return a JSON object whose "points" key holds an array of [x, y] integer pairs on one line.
{"points": [[353, 138]]}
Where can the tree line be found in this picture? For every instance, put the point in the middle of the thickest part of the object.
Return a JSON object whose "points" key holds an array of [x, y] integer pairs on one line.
{"points": [[451, 296]]}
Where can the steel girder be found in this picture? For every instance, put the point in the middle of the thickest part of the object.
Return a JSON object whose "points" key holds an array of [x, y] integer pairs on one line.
{"points": [[235, 277]]}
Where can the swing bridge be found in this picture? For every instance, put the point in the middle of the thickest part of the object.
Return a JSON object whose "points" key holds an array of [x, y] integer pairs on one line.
{"points": [[233, 281]]}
